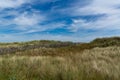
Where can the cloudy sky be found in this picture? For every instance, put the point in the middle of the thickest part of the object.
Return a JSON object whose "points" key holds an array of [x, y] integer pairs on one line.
{"points": [[67, 20]]}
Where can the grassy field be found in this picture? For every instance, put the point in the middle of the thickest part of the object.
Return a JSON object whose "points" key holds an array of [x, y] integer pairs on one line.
{"points": [[93, 64], [56, 60]]}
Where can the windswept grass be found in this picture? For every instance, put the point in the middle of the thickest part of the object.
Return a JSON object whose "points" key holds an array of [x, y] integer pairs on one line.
{"points": [[54, 48], [94, 64]]}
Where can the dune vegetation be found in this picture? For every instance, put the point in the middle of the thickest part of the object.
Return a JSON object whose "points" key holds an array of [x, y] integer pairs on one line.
{"points": [[55, 60]]}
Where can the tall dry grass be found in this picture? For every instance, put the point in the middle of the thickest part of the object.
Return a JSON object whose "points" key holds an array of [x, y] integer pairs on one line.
{"points": [[95, 64]]}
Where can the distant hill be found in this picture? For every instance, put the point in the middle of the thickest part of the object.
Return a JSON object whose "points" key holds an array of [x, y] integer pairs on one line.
{"points": [[104, 42], [55, 47]]}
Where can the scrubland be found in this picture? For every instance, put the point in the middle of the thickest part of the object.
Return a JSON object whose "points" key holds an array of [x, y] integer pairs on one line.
{"points": [[86, 61]]}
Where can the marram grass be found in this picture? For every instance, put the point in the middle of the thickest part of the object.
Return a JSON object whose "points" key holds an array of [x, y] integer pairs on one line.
{"points": [[94, 64]]}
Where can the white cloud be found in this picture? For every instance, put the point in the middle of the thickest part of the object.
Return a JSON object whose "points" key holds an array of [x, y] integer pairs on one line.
{"points": [[111, 20], [22, 21], [11, 3], [26, 19], [30, 22], [98, 7], [40, 28]]}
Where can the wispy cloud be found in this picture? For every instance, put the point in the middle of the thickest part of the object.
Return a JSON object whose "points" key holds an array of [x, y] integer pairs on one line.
{"points": [[11, 3], [83, 20], [109, 22], [26, 20]]}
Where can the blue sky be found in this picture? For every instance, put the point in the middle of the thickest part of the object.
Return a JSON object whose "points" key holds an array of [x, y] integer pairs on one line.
{"points": [[66, 20]]}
